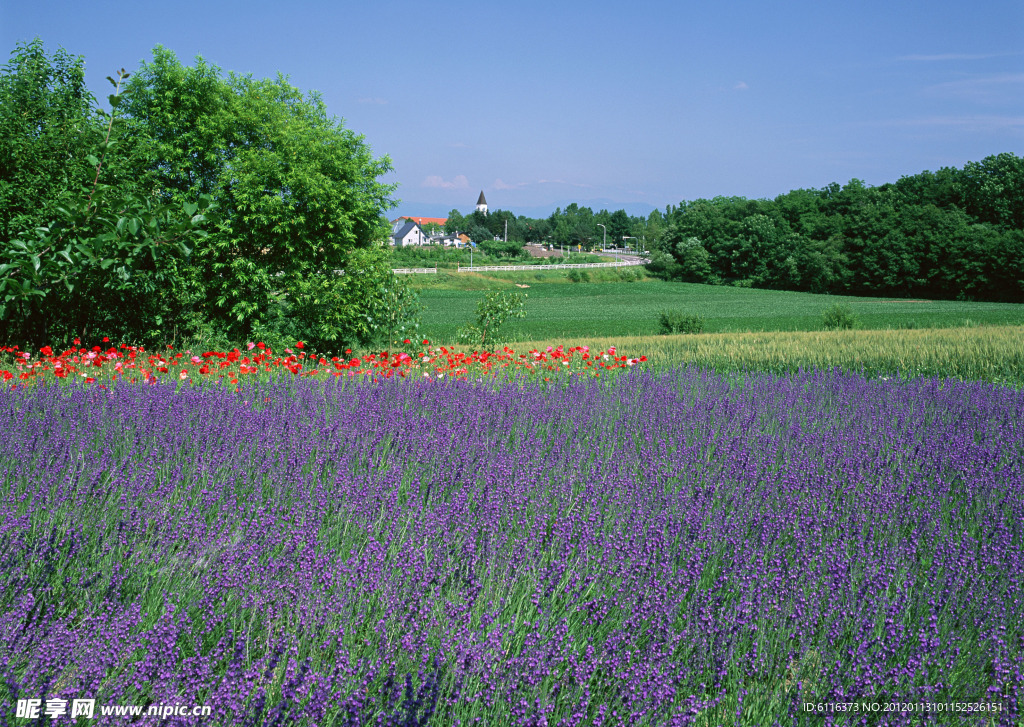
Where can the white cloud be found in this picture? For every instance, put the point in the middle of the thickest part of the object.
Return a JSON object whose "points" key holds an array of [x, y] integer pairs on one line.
{"points": [[741, 86], [972, 123], [373, 100], [459, 182], [985, 81], [984, 88], [953, 57], [498, 184]]}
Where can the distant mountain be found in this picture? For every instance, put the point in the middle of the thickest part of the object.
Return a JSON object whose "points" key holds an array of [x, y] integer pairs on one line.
{"points": [[635, 209]]}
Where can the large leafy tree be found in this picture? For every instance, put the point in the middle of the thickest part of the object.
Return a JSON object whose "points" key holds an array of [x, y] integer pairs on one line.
{"points": [[298, 193], [47, 127], [84, 243]]}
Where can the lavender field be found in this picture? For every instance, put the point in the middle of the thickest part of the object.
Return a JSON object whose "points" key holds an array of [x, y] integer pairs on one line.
{"points": [[668, 548]]}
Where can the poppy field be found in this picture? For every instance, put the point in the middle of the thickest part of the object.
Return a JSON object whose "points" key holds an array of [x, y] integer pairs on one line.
{"points": [[132, 364], [662, 546]]}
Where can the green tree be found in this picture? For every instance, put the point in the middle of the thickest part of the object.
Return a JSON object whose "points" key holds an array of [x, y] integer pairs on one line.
{"points": [[992, 190], [619, 225], [298, 191], [455, 223], [574, 226], [47, 127], [492, 313], [694, 261], [479, 234], [96, 254]]}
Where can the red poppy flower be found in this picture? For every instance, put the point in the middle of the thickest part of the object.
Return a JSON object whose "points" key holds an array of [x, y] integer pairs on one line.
{"points": [[300, 344]]}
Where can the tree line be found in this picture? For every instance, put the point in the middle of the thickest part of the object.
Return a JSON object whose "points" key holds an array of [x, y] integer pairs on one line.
{"points": [[575, 225], [952, 234], [202, 206]]}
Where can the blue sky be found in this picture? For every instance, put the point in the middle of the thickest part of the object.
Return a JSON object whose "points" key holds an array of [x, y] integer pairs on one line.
{"points": [[608, 103]]}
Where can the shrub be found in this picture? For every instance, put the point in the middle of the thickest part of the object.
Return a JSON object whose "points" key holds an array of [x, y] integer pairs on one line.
{"points": [[839, 316], [578, 276], [679, 322]]}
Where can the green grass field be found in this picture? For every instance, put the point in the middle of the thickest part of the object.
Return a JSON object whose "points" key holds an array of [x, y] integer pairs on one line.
{"points": [[577, 310]]}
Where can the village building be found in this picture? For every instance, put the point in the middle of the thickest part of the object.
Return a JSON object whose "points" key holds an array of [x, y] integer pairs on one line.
{"points": [[406, 232]]}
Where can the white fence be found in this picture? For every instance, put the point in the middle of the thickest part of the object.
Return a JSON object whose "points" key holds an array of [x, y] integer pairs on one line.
{"points": [[575, 266], [510, 268]]}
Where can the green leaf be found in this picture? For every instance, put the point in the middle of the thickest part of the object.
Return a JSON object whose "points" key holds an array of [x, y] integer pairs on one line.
{"points": [[93, 160], [133, 225], [104, 264]]}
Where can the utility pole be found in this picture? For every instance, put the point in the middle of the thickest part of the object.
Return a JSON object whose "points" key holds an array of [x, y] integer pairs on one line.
{"points": [[506, 229], [604, 241]]}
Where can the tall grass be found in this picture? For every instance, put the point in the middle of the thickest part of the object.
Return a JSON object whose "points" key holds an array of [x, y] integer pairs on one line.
{"points": [[985, 353]]}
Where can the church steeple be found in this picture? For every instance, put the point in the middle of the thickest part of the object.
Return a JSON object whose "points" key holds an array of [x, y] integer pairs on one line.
{"points": [[481, 203]]}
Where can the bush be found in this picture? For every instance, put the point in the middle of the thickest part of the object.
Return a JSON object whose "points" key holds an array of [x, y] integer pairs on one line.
{"points": [[663, 266], [839, 316], [499, 249], [578, 276], [679, 322]]}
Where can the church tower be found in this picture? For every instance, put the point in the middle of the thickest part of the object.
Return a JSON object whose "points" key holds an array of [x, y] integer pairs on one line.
{"points": [[481, 203]]}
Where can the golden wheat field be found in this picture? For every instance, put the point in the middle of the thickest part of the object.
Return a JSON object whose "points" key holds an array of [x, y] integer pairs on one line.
{"points": [[988, 353]]}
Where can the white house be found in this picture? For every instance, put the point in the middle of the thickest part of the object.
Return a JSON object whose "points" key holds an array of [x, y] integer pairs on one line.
{"points": [[409, 233], [447, 240]]}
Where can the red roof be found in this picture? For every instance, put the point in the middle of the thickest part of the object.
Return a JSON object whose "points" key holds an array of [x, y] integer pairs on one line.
{"points": [[427, 220]]}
